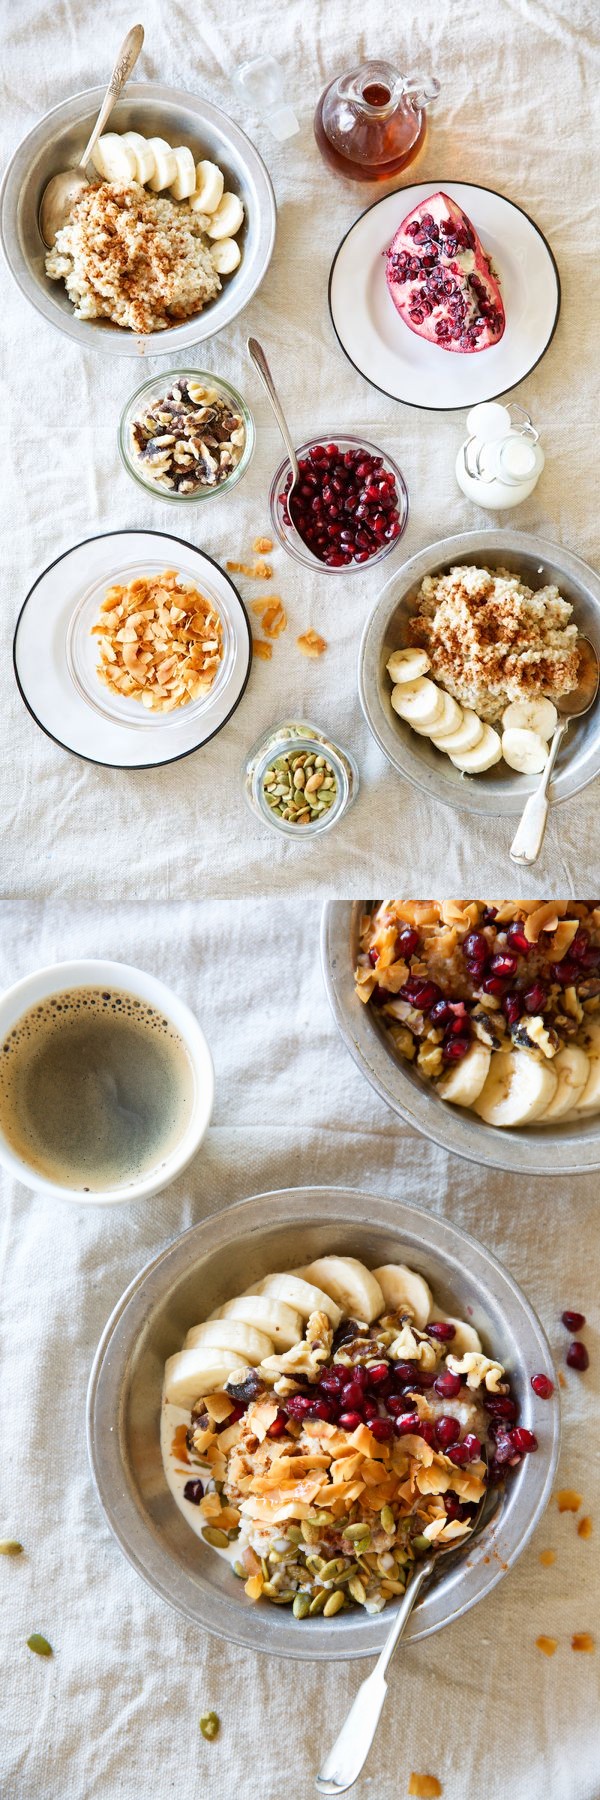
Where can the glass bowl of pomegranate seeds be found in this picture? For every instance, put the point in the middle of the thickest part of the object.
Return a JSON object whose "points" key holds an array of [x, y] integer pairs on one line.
{"points": [[478, 1021], [346, 1376], [349, 508]]}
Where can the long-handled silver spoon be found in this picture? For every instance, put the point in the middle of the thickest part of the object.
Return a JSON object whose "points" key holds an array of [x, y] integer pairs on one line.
{"points": [[257, 356], [343, 1765], [63, 190], [529, 835]]}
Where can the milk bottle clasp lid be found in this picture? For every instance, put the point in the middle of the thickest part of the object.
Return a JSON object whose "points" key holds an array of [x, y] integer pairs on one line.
{"points": [[509, 434]]}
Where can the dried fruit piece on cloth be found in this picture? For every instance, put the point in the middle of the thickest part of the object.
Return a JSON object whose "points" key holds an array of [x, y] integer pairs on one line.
{"points": [[547, 1645], [160, 641], [262, 649], [258, 571], [311, 644], [272, 614], [262, 546], [583, 1640], [568, 1500], [425, 1787], [585, 1528]]}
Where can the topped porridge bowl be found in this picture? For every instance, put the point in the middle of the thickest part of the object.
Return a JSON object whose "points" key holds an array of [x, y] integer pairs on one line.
{"points": [[154, 111], [537, 564], [201, 1270]]}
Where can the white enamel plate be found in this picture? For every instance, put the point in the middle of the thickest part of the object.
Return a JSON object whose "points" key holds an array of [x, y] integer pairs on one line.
{"points": [[406, 367], [55, 655]]}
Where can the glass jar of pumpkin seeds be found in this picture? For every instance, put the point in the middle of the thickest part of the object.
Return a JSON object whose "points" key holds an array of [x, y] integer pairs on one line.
{"points": [[298, 781]]}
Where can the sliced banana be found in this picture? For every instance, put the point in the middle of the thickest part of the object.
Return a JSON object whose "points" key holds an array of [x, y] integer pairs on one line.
{"points": [[231, 1334], [463, 1083], [227, 217], [165, 166], [531, 715], [449, 720], [301, 1295], [517, 1090], [468, 734], [525, 751], [419, 702], [225, 256], [589, 1100], [114, 159], [193, 1373], [185, 179], [572, 1067], [281, 1323], [482, 756], [465, 1336], [407, 665], [208, 191], [144, 155], [355, 1290], [405, 1291]]}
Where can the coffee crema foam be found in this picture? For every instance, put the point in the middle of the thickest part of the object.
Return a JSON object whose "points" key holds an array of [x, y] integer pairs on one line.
{"points": [[96, 1088]]}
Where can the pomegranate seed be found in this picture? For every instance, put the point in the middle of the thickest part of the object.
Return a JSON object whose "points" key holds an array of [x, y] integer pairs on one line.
{"points": [[448, 1386], [381, 1429], [407, 941], [517, 940], [420, 993], [565, 972], [459, 1454], [476, 947], [278, 1427], [427, 1431], [493, 984], [352, 1396], [505, 1449], [454, 1048], [370, 1409], [298, 1405], [377, 1373], [400, 1403], [542, 1386], [441, 1329], [447, 1430], [504, 964], [333, 1381], [350, 1421], [574, 1321], [323, 1409], [522, 1440], [511, 1007], [502, 1406], [193, 1491], [473, 1444], [425, 1378], [373, 957], [232, 1417], [535, 999], [441, 1013], [577, 1357], [410, 1422], [452, 1505], [406, 1372]]}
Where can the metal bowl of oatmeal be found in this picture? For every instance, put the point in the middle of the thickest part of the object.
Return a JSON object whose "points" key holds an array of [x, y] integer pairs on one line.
{"points": [[216, 1259], [499, 792], [58, 141], [560, 1149]]}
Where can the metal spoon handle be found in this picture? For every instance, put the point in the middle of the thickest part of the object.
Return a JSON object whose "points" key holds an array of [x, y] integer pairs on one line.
{"points": [[126, 60], [343, 1764], [257, 356], [529, 835]]}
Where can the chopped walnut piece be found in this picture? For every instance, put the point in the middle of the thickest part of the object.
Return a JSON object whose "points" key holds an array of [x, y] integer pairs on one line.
{"points": [[263, 649], [547, 1644], [425, 1787], [311, 644], [262, 546], [568, 1500], [585, 1528], [583, 1640]]}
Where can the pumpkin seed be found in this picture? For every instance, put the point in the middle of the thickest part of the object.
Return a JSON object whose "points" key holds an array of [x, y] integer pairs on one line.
{"points": [[421, 1543], [316, 1605], [301, 1606], [387, 1519], [333, 1605], [315, 1564], [233, 1534], [320, 1518], [357, 1590], [294, 1533], [10, 1547], [238, 1569], [39, 1645], [357, 1533], [331, 1569], [210, 1725], [310, 1536], [218, 1539]]}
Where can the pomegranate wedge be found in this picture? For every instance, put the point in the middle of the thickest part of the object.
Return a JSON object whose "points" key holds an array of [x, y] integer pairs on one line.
{"points": [[441, 279]]}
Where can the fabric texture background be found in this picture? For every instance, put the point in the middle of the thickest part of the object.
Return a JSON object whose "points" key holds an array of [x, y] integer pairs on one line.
{"points": [[515, 114], [115, 1714]]}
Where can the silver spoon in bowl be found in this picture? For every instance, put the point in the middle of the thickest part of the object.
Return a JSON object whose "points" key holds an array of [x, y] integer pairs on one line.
{"points": [[61, 192], [529, 835], [342, 1766], [257, 356]]}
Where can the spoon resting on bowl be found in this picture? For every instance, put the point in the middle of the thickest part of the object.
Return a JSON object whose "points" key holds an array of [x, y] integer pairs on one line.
{"points": [[342, 1766], [529, 835], [61, 192], [257, 356]]}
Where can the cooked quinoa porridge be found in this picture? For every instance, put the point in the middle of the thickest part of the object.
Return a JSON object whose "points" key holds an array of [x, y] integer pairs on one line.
{"points": [[327, 1429], [140, 260], [491, 639]]}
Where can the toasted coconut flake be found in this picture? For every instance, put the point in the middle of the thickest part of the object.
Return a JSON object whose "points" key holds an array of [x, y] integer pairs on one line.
{"points": [[311, 644], [160, 640]]}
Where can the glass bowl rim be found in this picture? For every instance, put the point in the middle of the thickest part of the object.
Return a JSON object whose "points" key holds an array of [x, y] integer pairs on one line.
{"points": [[208, 493], [309, 561], [279, 746]]}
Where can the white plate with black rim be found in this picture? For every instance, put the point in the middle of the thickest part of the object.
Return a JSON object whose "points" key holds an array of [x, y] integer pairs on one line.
{"points": [[55, 655], [408, 368]]}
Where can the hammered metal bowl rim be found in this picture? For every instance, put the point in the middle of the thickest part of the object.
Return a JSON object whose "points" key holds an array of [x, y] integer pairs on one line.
{"points": [[418, 1231]]}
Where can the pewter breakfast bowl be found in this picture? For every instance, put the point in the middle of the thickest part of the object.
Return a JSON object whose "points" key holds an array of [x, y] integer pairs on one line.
{"points": [[57, 142], [499, 792], [221, 1257], [560, 1149]]}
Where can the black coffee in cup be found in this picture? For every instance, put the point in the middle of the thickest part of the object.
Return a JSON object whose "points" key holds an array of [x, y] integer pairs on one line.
{"points": [[96, 1088]]}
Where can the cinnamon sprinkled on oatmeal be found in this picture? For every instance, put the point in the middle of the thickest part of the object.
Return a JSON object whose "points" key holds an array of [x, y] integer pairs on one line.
{"points": [[133, 257], [491, 639]]}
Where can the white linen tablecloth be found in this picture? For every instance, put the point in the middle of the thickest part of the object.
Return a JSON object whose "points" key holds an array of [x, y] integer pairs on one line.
{"points": [[516, 114], [114, 1716]]}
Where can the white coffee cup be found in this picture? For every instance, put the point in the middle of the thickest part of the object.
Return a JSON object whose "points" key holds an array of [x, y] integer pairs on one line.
{"points": [[66, 976]]}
